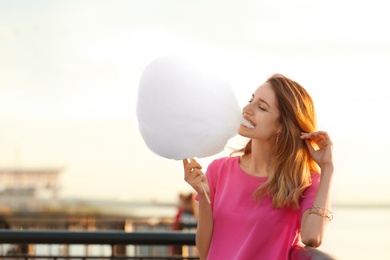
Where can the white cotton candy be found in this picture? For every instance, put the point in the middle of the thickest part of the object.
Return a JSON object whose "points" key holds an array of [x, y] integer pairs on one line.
{"points": [[184, 111]]}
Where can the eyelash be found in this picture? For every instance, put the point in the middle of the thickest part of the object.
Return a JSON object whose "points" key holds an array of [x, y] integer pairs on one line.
{"points": [[250, 101]]}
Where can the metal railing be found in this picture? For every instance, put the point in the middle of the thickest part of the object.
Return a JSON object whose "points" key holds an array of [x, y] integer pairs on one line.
{"points": [[118, 239]]}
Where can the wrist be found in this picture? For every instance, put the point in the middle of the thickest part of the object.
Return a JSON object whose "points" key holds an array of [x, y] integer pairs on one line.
{"points": [[203, 197], [327, 165], [327, 168]]}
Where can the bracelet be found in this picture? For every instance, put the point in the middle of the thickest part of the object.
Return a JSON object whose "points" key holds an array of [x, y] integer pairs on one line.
{"points": [[322, 212]]}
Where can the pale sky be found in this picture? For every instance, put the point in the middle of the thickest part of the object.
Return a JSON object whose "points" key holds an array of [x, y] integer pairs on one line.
{"points": [[69, 74]]}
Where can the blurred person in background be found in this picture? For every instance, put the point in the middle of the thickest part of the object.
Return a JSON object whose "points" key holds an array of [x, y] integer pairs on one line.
{"points": [[3, 223], [186, 216]]}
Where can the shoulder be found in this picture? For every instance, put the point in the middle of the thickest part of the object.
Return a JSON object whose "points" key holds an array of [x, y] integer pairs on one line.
{"points": [[224, 162], [315, 178], [219, 172], [222, 165]]}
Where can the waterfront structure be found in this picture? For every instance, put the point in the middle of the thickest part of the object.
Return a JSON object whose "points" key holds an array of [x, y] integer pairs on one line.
{"points": [[28, 189]]}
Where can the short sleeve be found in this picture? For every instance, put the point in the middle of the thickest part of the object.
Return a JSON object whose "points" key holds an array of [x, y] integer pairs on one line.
{"points": [[310, 193]]}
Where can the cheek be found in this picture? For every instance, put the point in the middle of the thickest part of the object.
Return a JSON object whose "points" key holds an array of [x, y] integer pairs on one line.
{"points": [[269, 126], [267, 121]]}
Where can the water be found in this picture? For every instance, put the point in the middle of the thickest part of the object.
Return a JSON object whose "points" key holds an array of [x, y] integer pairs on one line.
{"points": [[359, 233]]}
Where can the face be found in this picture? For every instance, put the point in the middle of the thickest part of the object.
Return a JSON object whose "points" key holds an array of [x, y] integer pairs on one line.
{"points": [[261, 115]]}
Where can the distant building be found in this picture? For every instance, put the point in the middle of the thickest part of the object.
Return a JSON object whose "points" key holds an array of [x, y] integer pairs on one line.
{"points": [[28, 189]]}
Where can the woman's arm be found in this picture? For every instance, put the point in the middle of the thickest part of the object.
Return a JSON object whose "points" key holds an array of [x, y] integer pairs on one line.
{"points": [[195, 177], [313, 226], [316, 219], [205, 227]]}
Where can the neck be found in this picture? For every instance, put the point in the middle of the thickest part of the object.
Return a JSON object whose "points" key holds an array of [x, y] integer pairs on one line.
{"points": [[258, 162]]}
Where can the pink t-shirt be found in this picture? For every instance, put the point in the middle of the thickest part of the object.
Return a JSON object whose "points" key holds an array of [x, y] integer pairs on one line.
{"points": [[245, 229]]}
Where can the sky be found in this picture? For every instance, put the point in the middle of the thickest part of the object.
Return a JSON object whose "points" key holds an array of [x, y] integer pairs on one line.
{"points": [[70, 70]]}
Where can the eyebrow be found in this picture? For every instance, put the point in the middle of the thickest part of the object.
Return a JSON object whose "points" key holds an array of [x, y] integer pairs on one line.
{"points": [[262, 100]]}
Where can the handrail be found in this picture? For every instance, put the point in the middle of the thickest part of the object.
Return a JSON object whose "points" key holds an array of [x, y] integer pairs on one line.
{"points": [[128, 238], [97, 237], [309, 253]]}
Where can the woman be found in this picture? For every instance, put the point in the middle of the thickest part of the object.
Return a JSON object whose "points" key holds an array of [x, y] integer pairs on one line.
{"points": [[277, 193]]}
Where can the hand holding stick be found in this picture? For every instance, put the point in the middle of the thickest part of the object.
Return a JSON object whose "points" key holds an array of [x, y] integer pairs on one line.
{"points": [[195, 177]]}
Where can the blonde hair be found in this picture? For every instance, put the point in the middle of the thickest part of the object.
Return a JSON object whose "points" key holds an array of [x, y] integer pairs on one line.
{"points": [[291, 167]]}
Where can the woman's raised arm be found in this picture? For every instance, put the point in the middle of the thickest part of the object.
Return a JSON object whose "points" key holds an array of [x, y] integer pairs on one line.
{"points": [[195, 177], [316, 219]]}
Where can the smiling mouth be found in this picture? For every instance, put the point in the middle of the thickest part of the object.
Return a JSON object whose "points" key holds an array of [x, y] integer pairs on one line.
{"points": [[247, 123]]}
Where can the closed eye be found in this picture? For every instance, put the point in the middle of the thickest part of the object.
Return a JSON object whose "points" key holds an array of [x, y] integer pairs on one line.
{"points": [[260, 100]]}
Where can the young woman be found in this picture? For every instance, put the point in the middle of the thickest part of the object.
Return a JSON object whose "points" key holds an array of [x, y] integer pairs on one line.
{"points": [[276, 194]]}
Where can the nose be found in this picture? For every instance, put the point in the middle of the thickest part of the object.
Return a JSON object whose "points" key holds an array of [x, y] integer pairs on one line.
{"points": [[247, 109]]}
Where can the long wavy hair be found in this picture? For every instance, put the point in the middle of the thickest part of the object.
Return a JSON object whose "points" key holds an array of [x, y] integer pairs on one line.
{"points": [[291, 167]]}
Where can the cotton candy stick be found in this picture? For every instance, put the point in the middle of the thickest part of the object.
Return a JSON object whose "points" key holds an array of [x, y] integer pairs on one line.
{"points": [[205, 192], [185, 111]]}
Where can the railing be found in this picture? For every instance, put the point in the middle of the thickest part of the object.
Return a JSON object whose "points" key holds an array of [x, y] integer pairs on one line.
{"points": [[121, 239]]}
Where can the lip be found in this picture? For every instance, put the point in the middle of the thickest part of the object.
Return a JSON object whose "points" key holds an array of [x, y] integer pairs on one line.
{"points": [[246, 122]]}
